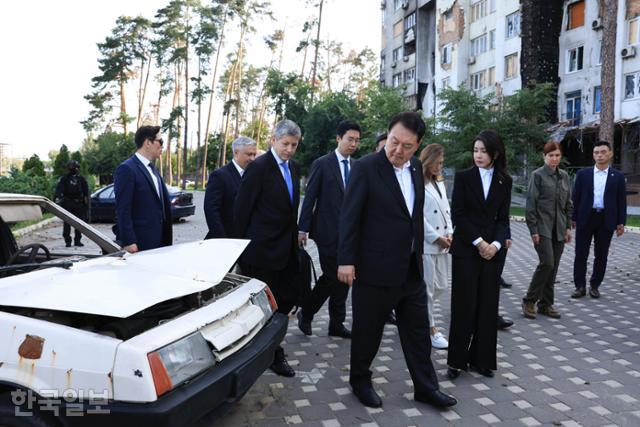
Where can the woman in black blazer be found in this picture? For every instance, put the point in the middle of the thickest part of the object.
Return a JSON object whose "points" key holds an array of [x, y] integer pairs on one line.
{"points": [[480, 215]]}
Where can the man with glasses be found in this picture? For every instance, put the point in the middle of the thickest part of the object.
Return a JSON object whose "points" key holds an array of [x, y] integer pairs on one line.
{"points": [[143, 209]]}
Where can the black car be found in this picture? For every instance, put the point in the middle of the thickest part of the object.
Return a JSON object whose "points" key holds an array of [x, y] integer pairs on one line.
{"points": [[103, 204]]}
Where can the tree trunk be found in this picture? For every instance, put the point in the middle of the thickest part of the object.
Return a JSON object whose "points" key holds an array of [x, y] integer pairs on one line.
{"points": [[608, 71], [213, 89], [230, 84], [143, 91], [123, 108], [315, 61], [239, 83], [199, 124], [304, 57], [186, 109]]}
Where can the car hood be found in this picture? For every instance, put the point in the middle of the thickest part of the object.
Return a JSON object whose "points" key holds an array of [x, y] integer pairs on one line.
{"points": [[122, 286]]}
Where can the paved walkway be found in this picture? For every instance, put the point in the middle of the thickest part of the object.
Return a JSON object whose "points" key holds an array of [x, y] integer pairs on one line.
{"points": [[583, 369]]}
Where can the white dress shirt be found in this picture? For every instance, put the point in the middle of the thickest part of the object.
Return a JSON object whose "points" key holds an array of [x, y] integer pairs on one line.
{"points": [[599, 184], [238, 168], [486, 175], [341, 165], [403, 175], [147, 163]]}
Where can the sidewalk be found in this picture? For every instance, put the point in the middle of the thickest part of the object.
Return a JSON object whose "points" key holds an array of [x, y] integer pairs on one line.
{"points": [[583, 369]]}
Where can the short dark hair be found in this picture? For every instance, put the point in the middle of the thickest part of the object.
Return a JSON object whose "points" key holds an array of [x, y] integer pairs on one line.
{"points": [[381, 137], [494, 146], [146, 132], [345, 126], [601, 143], [412, 121]]}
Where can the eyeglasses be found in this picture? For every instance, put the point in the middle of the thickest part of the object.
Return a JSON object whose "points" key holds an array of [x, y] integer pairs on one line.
{"points": [[158, 140]]}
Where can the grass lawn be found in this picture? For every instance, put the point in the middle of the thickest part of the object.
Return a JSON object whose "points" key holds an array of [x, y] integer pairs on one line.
{"points": [[22, 224]]}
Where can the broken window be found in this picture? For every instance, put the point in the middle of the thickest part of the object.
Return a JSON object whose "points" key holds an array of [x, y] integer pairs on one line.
{"points": [[597, 96], [445, 83], [511, 65], [448, 24], [513, 25], [634, 31], [446, 54], [576, 15], [574, 107], [632, 85], [575, 59]]}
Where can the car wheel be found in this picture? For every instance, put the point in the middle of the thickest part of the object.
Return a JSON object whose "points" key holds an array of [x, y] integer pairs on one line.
{"points": [[9, 418]]}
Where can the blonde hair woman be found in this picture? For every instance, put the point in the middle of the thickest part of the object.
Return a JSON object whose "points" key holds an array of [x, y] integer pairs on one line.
{"points": [[437, 234]]}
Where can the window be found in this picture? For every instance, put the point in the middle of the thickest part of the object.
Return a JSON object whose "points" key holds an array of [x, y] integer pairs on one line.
{"points": [[478, 10], [395, 54], [575, 14], [511, 65], [634, 30], [574, 107], [513, 25], [479, 45], [574, 59], [397, 28], [492, 39], [397, 4], [446, 54], [383, 62], [107, 194], [396, 80], [445, 83], [599, 59], [597, 95], [410, 21], [491, 78], [478, 80], [410, 75], [492, 6], [447, 19], [632, 85]]}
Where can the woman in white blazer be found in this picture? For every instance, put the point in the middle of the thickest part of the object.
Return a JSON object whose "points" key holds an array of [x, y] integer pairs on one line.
{"points": [[438, 232]]}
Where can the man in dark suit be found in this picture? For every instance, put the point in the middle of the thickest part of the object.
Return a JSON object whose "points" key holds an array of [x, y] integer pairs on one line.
{"points": [[319, 216], [599, 209], [143, 209], [222, 188], [380, 253], [266, 212]]}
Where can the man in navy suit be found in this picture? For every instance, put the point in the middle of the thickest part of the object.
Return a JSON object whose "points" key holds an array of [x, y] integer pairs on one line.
{"points": [[319, 216], [380, 252], [222, 188], [266, 212], [599, 209], [143, 209]]}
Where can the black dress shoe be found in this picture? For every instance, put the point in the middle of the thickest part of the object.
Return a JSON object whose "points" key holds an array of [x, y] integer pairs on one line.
{"points": [[68, 244], [78, 244], [453, 373], [392, 319], [282, 368], [367, 396], [505, 284], [339, 331], [485, 372], [504, 323], [594, 293], [436, 398], [303, 324], [579, 293]]}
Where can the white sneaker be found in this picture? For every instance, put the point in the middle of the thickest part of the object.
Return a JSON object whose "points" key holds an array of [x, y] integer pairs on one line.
{"points": [[439, 341]]}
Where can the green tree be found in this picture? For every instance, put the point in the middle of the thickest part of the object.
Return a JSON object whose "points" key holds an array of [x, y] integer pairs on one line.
{"points": [[33, 166], [103, 155], [25, 183], [379, 104], [60, 163]]}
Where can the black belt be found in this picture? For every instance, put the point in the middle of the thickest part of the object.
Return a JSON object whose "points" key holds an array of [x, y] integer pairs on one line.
{"points": [[597, 210]]}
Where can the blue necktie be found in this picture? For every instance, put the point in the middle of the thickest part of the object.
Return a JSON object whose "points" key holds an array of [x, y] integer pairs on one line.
{"points": [[345, 166], [287, 179]]}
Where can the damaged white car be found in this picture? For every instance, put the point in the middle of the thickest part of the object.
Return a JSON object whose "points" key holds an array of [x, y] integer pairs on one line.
{"points": [[160, 338]]}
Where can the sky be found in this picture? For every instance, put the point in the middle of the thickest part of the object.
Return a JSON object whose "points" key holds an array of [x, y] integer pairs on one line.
{"points": [[49, 55]]}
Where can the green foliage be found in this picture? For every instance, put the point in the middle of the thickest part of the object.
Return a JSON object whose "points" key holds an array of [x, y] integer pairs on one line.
{"points": [[33, 166], [26, 183], [103, 155], [378, 105], [290, 95], [60, 163]]}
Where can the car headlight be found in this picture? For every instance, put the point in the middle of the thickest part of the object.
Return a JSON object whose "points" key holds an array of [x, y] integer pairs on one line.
{"points": [[266, 301], [174, 364]]}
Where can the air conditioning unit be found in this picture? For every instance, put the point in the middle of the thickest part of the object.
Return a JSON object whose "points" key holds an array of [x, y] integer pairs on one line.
{"points": [[394, 64], [628, 52], [596, 24], [471, 60], [405, 58], [405, 4]]}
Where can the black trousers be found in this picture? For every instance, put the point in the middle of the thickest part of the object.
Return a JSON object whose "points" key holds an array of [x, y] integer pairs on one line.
{"points": [[594, 230], [281, 284], [328, 286], [371, 308], [79, 210], [475, 293], [66, 233]]}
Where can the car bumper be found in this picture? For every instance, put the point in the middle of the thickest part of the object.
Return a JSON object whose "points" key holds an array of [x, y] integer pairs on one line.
{"points": [[182, 211], [210, 392]]}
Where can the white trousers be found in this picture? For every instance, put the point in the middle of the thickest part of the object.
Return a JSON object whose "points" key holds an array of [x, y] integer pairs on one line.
{"points": [[436, 277]]}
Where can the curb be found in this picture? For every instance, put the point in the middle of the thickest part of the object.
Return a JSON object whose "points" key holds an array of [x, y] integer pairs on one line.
{"points": [[22, 231]]}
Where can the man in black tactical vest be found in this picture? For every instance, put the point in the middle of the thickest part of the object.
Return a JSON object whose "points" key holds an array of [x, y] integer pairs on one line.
{"points": [[72, 193]]}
